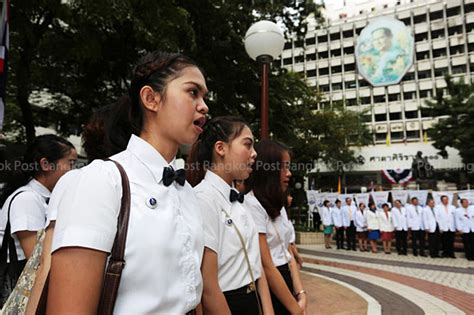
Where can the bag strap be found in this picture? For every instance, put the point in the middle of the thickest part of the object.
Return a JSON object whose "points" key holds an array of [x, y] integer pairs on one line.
{"points": [[260, 310], [8, 241], [116, 262]]}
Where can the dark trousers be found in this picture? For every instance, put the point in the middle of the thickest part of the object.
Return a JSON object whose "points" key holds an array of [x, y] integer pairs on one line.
{"points": [[434, 240], [401, 242], [242, 301], [447, 241], [351, 236], [316, 220], [418, 242], [339, 237], [468, 240], [278, 307]]}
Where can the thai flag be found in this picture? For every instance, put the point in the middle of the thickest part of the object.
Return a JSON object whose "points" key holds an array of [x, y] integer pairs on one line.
{"points": [[4, 44]]}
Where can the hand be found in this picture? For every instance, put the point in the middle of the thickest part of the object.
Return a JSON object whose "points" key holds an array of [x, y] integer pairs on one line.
{"points": [[299, 260], [302, 302]]}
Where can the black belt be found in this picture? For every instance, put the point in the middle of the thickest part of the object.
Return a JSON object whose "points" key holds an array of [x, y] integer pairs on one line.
{"points": [[246, 289]]}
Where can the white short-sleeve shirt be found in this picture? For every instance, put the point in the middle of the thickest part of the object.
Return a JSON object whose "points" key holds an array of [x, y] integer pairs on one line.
{"points": [[27, 212], [164, 247], [56, 195], [278, 232], [221, 237]]}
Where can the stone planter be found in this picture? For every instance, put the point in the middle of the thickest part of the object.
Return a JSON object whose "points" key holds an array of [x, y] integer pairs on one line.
{"points": [[307, 238]]}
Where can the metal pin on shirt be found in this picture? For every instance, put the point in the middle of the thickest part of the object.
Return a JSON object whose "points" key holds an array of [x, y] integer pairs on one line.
{"points": [[151, 203]]}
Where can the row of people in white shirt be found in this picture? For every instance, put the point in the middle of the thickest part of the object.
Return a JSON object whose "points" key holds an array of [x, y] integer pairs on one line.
{"points": [[414, 217]]}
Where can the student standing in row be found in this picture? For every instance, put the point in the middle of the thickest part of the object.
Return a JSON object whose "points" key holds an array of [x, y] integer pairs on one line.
{"points": [[350, 213], [415, 226], [338, 218], [326, 215], [361, 227], [231, 266], [269, 184], [373, 226], [386, 228], [399, 219], [164, 108], [431, 227], [26, 194], [464, 217], [444, 214]]}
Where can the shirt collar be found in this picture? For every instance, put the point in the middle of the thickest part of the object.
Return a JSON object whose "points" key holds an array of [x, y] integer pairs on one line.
{"points": [[149, 156], [218, 183], [39, 188]]}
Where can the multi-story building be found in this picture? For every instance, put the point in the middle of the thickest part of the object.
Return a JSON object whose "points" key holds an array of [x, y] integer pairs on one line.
{"points": [[443, 31]]}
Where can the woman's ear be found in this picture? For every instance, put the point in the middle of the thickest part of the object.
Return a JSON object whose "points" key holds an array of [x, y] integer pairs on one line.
{"points": [[45, 165], [220, 148], [150, 99]]}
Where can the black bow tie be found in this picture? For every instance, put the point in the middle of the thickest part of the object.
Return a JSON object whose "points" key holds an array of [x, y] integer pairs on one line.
{"points": [[236, 196], [170, 175]]}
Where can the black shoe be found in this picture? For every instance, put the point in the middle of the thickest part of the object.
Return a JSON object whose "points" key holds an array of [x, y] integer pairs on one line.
{"points": [[423, 255], [348, 248], [452, 256], [415, 254], [354, 249], [435, 256]]}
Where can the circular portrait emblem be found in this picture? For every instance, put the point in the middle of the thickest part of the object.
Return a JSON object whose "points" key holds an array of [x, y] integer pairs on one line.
{"points": [[384, 51]]}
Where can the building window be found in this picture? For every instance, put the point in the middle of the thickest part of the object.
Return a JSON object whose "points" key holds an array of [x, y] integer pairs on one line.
{"points": [[311, 73], [323, 55], [453, 11], [351, 102], [379, 99], [363, 83], [287, 45], [411, 114], [421, 37], [425, 112], [299, 59], [459, 69], [409, 77], [349, 50], [436, 15], [324, 71], [380, 117], [349, 67], [439, 53], [406, 21], [310, 41], [310, 57], [441, 72], [420, 18], [335, 36], [324, 88], [408, 95], [287, 61], [455, 30], [335, 53], [336, 69], [396, 135], [424, 74], [336, 86], [350, 84], [456, 50], [395, 116], [413, 134], [347, 34], [365, 100], [393, 97], [379, 137], [422, 55], [322, 39], [437, 34]]}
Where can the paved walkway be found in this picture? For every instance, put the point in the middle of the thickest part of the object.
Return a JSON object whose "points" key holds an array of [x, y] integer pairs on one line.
{"points": [[396, 284]]}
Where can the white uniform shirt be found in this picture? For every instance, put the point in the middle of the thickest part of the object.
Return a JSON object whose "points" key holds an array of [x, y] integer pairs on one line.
{"points": [[464, 218], [360, 221], [338, 217], [277, 232], [293, 232], [445, 218], [27, 212], [57, 194], [349, 213], [429, 219], [221, 237], [414, 219], [326, 216], [386, 221], [399, 219], [164, 246], [372, 220]]}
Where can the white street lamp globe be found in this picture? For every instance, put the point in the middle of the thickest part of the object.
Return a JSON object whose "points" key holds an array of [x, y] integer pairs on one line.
{"points": [[264, 38]]}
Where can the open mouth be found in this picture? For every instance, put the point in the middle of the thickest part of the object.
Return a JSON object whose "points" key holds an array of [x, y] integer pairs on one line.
{"points": [[200, 122]]}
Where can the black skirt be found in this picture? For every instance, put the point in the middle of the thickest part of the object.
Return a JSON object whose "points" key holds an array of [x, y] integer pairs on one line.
{"points": [[278, 307], [243, 300]]}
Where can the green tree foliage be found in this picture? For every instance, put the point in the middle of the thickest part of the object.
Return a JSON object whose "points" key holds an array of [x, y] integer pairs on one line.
{"points": [[455, 126]]}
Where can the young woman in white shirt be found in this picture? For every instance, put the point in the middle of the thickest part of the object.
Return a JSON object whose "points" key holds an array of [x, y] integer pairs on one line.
{"points": [[267, 199], [26, 194], [386, 228], [373, 226], [327, 223], [163, 109], [234, 282], [361, 227]]}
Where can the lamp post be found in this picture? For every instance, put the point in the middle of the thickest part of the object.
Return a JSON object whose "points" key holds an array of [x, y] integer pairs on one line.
{"points": [[264, 42]]}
